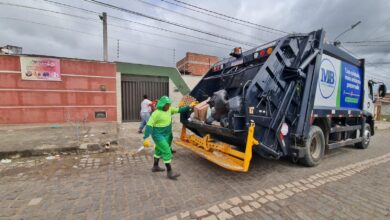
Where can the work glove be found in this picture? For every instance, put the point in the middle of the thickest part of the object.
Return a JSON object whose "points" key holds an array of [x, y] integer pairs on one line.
{"points": [[147, 143]]}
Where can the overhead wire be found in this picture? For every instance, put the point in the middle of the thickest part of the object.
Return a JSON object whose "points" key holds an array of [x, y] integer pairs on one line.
{"points": [[370, 45], [379, 63], [201, 20], [110, 24], [46, 10], [366, 41], [69, 6], [170, 31], [139, 23], [91, 34], [375, 74], [168, 37], [230, 17], [221, 18], [168, 22], [82, 32], [170, 50], [373, 33]]}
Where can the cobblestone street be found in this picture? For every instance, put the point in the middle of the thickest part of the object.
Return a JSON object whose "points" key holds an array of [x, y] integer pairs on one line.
{"points": [[348, 184]]}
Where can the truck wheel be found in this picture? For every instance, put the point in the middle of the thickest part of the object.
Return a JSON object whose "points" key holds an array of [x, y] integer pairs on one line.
{"points": [[314, 147], [366, 137]]}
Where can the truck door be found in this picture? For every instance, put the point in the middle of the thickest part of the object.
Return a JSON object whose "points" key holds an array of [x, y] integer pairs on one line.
{"points": [[368, 105]]}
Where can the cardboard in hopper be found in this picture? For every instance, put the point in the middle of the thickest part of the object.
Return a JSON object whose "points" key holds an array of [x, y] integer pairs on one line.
{"points": [[200, 110]]}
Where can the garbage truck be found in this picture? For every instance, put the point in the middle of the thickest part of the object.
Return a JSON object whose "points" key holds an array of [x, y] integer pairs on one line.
{"points": [[293, 97]]}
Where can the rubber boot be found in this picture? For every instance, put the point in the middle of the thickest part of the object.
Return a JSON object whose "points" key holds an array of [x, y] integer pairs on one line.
{"points": [[156, 167], [170, 174]]}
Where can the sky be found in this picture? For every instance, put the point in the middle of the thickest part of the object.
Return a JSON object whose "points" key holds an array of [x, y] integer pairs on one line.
{"points": [[71, 32]]}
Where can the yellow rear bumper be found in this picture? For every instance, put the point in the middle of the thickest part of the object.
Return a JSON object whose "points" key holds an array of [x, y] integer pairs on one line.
{"points": [[221, 154]]}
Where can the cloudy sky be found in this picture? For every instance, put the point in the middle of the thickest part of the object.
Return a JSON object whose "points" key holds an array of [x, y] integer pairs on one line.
{"points": [[60, 30]]}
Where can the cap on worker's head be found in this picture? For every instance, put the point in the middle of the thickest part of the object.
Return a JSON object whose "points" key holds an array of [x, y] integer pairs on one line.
{"points": [[163, 101]]}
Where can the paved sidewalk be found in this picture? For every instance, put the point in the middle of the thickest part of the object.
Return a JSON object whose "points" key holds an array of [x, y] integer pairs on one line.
{"points": [[382, 125], [348, 192], [117, 185]]}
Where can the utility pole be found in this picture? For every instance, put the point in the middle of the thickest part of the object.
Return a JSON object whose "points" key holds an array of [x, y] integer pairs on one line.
{"points": [[117, 49], [103, 17]]}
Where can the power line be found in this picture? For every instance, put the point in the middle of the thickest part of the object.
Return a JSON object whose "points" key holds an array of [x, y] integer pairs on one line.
{"points": [[168, 22], [46, 10], [221, 18], [169, 31], [377, 74], [379, 63], [70, 6], [146, 25], [201, 20], [373, 33], [139, 23], [370, 45], [170, 37], [90, 34], [82, 32], [126, 28], [366, 41], [230, 17], [382, 77]]}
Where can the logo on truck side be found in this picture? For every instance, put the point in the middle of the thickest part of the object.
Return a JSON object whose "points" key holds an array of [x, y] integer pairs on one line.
{"points": [[327, 82]]}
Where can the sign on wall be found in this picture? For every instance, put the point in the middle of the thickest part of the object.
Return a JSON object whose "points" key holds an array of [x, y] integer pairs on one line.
{"points": [[339, 84], [39, 68]]}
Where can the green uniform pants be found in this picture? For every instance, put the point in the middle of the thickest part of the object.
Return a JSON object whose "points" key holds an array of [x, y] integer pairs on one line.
{"points": [[163, 148]]}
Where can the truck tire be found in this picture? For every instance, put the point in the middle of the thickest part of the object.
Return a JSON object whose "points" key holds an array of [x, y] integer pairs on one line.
{"points": [[314, 147], [366, 137]]}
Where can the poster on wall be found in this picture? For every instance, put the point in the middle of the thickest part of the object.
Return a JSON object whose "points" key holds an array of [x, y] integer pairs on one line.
{"points": [[40, 68], [339, 84]]}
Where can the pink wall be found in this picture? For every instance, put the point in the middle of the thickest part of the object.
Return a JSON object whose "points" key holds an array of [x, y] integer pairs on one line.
{"points": [[76, 97]]}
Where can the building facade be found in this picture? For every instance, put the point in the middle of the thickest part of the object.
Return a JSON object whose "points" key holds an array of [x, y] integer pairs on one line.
{"points": [[38, 89], [382, 108], [196, 64]]}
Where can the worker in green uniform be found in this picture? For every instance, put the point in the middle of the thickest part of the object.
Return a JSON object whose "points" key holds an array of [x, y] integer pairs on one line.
{"points": [[160, 127]]}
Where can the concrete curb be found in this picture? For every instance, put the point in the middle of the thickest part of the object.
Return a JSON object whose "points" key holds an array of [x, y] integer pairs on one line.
{"points": [[90, 147]]}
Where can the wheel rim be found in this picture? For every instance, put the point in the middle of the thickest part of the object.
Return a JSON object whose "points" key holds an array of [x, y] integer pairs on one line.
{"points": [[315, 147], [367, 136]]}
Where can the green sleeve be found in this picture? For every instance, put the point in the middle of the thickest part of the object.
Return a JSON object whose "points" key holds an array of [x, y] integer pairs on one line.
{"points": [[148, 131], [180, 110], [150, 125], [174, 110]]}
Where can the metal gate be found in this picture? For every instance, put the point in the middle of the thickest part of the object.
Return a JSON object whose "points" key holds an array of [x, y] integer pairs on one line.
{"points": [[134, 87]]}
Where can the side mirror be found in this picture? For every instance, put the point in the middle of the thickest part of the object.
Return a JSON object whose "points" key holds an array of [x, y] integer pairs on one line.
{"points": [[370, 90], [382, 90]]}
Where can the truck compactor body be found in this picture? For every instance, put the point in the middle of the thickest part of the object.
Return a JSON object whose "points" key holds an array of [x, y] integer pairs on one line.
{"points": [[295, 97]]}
